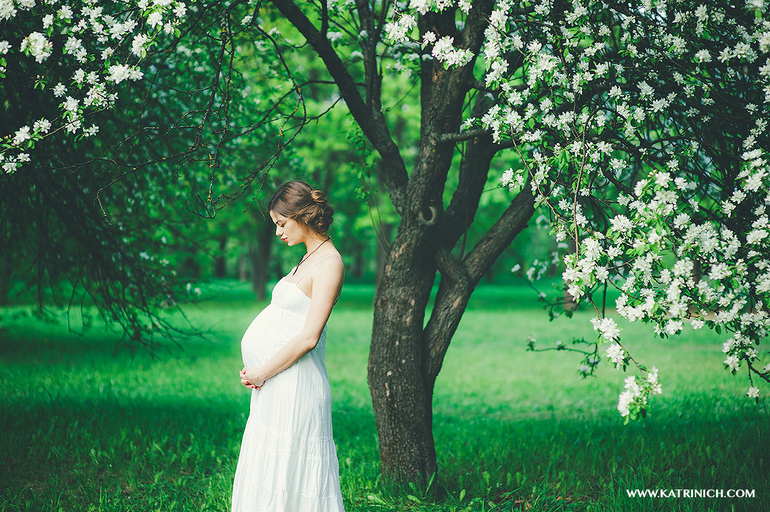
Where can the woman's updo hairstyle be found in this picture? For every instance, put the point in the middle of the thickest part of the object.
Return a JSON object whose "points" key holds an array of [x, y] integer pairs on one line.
{"points": [[307, 206]]}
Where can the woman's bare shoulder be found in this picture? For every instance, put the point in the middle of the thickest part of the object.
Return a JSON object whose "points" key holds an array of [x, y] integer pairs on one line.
{"points": [[331, 260]]}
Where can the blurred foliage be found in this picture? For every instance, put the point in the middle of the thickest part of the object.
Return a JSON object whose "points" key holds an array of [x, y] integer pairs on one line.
{"points": [[172, 189]]}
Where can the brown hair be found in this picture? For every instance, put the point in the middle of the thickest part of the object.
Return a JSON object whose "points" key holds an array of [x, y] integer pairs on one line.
{"points": [[308, 206]]}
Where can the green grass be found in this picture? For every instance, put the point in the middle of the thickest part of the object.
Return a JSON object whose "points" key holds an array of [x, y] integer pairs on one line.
{"points": [[87, 428]]}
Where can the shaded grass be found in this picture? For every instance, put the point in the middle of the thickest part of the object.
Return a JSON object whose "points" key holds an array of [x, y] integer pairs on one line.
{"points": [[84, 428]]}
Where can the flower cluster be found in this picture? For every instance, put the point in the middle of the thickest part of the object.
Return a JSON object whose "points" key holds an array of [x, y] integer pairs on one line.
{"points": [[443, 48], [102, 44], [632, 402]]}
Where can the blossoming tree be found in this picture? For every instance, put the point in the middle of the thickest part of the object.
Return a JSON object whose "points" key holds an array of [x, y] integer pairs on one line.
{"points": [[61, 67], [640, 128], [116, 123]]}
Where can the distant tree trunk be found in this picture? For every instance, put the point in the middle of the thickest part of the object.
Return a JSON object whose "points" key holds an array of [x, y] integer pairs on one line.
{"points": [[359, 264], [220, 267], [189, 267], [243, 264], [5, 276], [259, 255]]}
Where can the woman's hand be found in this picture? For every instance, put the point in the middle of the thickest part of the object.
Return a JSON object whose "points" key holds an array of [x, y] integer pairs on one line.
{"points": [[250, 379]]}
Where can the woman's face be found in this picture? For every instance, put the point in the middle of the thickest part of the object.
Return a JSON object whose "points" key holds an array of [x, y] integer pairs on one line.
{"points": [[287, 229]]}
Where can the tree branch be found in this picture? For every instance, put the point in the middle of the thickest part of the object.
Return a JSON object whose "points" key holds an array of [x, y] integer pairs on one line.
{"points": [[500, 236], [443, 93], [472, 177], [372, 122], [459, 137], [452, 298], [459, 279]]}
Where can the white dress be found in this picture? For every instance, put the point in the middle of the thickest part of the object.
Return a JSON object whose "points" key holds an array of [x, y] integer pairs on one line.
{"points": [[288, 460]]}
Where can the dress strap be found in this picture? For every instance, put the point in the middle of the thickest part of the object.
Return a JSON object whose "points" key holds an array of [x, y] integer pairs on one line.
{"points": [[314, 264]]}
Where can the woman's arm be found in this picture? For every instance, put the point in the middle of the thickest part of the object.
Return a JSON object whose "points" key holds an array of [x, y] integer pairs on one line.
{"points": [[326, 283]]}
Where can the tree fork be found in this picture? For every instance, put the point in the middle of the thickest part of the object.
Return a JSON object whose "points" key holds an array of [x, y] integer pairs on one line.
{"points": [[460, 277]]}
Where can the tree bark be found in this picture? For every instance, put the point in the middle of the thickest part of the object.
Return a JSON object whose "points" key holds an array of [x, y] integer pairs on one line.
{"points": [[244, 260], [402, 403], [5, 276], [220, 267], [405, 358]]}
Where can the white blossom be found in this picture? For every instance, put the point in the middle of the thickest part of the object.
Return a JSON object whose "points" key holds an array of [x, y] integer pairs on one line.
{"points": [[138, 43], [621, 223], [703, 56], [42, 125], [120, 72], [155, 19], [21, 135], [59, 90], [732, 363], [615, 354], [7, 11], [607, 327], [37, 45]]}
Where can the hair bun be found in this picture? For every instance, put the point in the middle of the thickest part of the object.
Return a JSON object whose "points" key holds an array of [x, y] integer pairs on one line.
{"points": [[308, 206], [318, 196]]}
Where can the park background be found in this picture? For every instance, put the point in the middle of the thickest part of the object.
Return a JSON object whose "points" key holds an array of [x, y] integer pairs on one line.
{"points": [[93, 423], [93, 420]]}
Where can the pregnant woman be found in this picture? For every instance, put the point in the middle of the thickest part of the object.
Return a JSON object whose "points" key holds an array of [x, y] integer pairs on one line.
{"points": [[288, 461]]}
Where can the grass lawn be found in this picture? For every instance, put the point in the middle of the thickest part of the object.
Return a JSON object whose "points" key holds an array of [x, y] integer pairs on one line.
{"points": [[89, 428]]}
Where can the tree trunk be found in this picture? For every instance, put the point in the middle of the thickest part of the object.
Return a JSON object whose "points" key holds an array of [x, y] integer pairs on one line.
{"points": [[405, 358], [402, 402], [358, 266], [5, 276], [260, 260], [243, 264], [220, 267]]}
